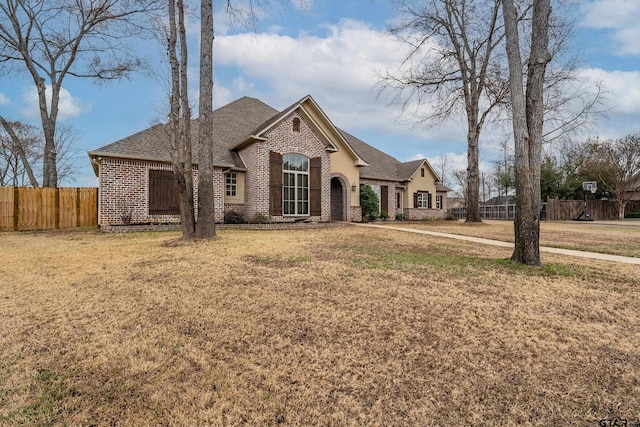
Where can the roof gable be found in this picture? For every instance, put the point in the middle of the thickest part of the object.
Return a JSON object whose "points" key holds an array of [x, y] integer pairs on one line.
{"points": [[408, 169], [311, 111]]}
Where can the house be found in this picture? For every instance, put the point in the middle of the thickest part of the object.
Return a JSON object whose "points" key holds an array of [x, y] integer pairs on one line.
{"points": [[500, 200], [289, 165], [633, 192]]}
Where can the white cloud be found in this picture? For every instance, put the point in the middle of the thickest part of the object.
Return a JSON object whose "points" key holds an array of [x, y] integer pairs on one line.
{"points": [[340, 68], [619, 16], [68, 106], [621, 100], [339, 65], [3, 99]]}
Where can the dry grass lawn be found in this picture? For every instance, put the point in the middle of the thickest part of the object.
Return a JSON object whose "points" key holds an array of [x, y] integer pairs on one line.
{"points": [[340, 327], [616, 237]]}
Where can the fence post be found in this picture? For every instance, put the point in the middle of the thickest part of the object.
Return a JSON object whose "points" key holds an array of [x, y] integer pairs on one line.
{"points": [[77, 207], [16, 208], [57, 208]]}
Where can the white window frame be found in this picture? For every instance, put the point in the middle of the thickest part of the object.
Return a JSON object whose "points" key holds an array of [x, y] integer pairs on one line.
{"points": [[438, 201], [295, 185], [231, 184], [423, 200]]}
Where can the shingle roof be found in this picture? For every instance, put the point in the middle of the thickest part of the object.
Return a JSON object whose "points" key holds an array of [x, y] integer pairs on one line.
{"points": [[407, 169], [234, 124], [381, 165]]}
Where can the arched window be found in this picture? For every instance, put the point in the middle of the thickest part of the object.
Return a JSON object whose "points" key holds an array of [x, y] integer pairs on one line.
{"points": [[295, 184], [296, 124]]}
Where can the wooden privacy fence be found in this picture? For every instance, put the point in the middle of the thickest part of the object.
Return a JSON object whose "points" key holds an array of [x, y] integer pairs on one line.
{"points": [[28, 208], [554, 210], [600, 210]]}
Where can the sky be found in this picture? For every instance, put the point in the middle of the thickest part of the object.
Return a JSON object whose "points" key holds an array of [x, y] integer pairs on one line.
{"points": [[334, 51]]}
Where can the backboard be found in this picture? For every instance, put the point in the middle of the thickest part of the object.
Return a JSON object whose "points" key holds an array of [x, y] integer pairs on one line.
{"points": [[591, 186]]}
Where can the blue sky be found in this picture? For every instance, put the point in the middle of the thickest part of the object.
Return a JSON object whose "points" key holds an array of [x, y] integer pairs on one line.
{"points": [[333, 51]]}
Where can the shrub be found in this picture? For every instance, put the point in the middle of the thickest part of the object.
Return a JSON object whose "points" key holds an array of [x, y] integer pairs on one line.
{"points": [[369, 202], [259, 218], [401, 217], [234, 217], [384, 215]]}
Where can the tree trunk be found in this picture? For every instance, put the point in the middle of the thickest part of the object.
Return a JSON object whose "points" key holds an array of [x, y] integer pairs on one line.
{"points": [[621, 208], [179, 121], [206, 225], [49, 159], [527, 125], [473, 175]]}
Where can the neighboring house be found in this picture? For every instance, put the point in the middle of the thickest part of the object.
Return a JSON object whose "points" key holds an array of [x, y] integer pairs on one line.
{"points": [[500, 200], [290, 165], [634, 188]]}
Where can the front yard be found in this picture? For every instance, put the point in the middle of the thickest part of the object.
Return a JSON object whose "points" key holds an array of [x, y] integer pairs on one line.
{"points": [[343, 326]]}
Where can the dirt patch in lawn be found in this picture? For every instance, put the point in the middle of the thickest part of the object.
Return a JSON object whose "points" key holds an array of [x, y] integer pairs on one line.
{"points": [[346, 326]]}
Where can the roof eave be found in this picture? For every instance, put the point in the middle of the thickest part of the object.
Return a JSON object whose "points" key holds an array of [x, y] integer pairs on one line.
{"points": [[248, 141], [96, 155]]}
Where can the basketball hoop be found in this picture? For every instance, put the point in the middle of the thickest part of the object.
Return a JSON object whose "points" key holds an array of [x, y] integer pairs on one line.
{"points": [[590, 186], [587, 187]]}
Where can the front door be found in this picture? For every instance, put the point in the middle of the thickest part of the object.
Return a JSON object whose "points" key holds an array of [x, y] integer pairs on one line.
{"points": [[337, 200]]}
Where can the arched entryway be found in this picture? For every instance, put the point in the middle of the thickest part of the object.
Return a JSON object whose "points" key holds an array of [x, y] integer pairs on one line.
{"points": [[338, 199]]}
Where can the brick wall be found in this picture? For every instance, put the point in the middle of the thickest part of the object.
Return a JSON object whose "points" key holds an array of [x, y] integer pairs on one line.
{"points": [[282, 139], [391, 195], [124, 188], [420, 214]]}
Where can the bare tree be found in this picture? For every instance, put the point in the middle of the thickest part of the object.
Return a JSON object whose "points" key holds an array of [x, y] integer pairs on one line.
{"points": [[528, 123], [15, 148], [442, 163], [180, 118], [65, 140], [21, 147], [485, 185], [460, 177], [453, 62], [53, 39], [206, 225], [615, 166]]}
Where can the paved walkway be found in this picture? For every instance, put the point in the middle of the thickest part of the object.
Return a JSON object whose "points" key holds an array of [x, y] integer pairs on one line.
{"points": [[568, 252]]}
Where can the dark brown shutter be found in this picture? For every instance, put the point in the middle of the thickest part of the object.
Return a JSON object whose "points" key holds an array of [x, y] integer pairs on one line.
{"points": [[415, 200], [163, 197], [429, 197], [384, 198], [275, 183], [315, 186]]}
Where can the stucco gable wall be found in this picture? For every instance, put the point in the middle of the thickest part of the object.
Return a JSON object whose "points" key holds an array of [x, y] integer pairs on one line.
{"points": [[420, 183]]}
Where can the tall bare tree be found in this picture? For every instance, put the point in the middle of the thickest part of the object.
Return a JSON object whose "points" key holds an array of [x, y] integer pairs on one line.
{"points": [[454, 62], [180, 117], [15, 149], [21, 147], [528, 123], [53, 39], [206, 225]]}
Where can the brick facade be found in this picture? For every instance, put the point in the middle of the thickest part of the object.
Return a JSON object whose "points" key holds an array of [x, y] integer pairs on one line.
{"points": [[124, 183], [284, 140], [124, 191], [391, 195]]}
